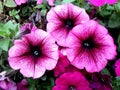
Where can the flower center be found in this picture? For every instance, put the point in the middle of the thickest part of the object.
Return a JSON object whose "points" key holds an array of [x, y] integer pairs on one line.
{"points": [[36, 51], [71, 88], [88, 44], [69, 24]]}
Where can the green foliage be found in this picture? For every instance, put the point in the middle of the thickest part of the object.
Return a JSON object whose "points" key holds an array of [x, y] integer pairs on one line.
{"points": [[9, 3], [4, 44], [114, 21], [1, 7], [116, 83], [5, 30], [14, 14], [67, 1], [105, 71]]}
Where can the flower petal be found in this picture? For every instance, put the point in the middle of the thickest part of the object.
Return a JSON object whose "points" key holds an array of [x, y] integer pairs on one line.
{"points": [[97, 2]]}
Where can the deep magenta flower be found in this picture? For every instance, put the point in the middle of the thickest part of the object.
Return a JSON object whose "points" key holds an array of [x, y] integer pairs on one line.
{"points": [[34, 54], [102, 2], [117, 67], [71, 81], [90, 46], [62, 18], [19, 2], [23, 85], [62, 63]]}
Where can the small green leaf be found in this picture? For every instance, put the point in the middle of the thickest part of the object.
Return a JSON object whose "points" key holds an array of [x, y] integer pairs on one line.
{"points": [[43, 12], [114, 21], [1, 7], [105, 71], [9, 3], [4, 44], [67, 1], [44, 77]]}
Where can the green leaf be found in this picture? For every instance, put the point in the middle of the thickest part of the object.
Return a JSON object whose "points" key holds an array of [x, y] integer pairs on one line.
{"points": [[9, 3], [4, 44], [114, 21], [39, 6], [67, 1], [43, 12], [1, 7], [105, 71], [116, 83], [44, 77]]}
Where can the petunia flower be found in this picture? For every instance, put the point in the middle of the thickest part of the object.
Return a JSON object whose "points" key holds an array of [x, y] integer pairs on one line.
{"points": [[23, 85], [102, 2], [50, 2], [7, 84], [71, 81], [62, 18], [34, 54], [19, 2], [63, 64], [117, 67], [90, 46]]}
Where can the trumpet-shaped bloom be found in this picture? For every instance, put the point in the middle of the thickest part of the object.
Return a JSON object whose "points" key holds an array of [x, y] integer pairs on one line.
{"points": [[71, 81], [90, 46], [34, 54], [117, 67], [19, 2], [62, 18], [102, 2]]}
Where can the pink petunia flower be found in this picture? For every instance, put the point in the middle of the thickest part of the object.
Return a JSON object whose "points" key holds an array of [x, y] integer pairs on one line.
{"points": [[23, 85], [102, 2], [7, 84], [71, 81], [19, 2], [63, 64], [34, 54], [50, 2], [117, 67], [90, 46], [62, 18]]}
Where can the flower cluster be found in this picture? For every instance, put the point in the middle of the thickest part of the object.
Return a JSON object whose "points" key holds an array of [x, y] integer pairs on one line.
{"points": [[59, 47]]}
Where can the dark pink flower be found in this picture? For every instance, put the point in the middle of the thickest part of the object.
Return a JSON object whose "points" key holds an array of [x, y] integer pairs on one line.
{"points": [[62, 18], [90, 46], [63, 62], [19, 2], [34, 54], [23, 85], [117, 67], [102, 2], [71, 81]]}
